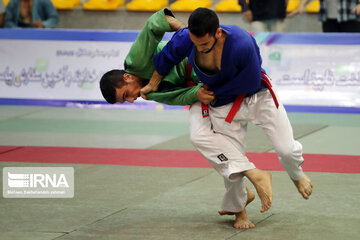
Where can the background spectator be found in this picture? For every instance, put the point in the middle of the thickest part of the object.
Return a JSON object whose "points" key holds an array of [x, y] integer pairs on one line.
{"points": [[337, 15], [2, 13], [31, 14], [265, 15]]}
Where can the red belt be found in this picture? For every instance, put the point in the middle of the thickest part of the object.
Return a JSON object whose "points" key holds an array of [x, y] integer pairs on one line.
{"points": [[265, 80], [235, 107]]}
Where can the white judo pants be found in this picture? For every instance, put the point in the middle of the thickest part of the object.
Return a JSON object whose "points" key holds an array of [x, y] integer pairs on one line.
{"points": [[223, 145]]}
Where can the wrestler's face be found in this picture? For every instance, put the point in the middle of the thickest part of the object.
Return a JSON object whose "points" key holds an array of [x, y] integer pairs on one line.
{"points": [[203, 44], [130, 91], [206, 43]]}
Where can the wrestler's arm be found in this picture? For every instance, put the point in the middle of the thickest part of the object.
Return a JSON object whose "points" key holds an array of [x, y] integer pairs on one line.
{"points": [[182, 96], [175, 50], [139, 59]]}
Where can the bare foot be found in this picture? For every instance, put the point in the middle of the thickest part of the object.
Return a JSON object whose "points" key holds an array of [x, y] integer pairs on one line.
{"points": [[250, 196], [241, 219], [262, 183], [304, 186]]}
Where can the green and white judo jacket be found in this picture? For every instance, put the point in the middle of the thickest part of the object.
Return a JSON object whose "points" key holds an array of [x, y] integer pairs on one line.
{"points": [[139, 63]]}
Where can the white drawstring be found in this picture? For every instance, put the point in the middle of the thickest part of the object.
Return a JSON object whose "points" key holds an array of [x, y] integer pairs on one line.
{"points": [[253, 99]]}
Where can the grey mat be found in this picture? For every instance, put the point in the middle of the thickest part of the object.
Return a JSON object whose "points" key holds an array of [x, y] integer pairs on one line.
{"points": [[256, 138], [187, 209]]}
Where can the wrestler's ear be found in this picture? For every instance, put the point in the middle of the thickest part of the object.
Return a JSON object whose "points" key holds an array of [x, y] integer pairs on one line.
{"points": [[218, 33], [126, 77]]}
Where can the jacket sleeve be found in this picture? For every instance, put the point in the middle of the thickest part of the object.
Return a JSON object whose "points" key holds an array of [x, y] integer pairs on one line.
{"points": [[2, 7], [182, 97], [178, 48], [51, 15], [139, 59], [10, 15]]}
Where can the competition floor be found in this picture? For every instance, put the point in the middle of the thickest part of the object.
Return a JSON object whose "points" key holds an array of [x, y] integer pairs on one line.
{"points": [[138, 177]]}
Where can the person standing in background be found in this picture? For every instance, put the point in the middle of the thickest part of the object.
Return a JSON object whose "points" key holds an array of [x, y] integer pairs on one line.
{"points": [[337, 15], [31, 14], [2, 13], [265, 15]]}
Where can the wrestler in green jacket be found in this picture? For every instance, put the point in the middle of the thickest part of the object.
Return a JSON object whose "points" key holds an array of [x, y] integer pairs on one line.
{"points": [[173, 89]]}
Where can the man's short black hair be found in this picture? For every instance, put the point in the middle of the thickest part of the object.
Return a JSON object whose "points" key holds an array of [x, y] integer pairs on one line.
{"points": [[203, 21], [109, 81]]}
